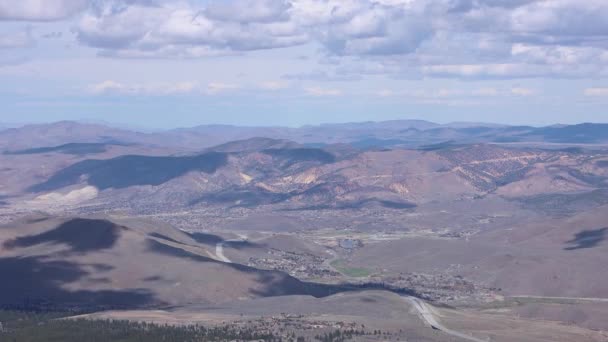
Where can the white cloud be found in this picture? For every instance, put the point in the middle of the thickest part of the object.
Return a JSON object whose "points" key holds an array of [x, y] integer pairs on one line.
{"points": [[426, 94], [376, 29], [214, 88], [248, 10], [486, 92], [519, 91], [561, 20], [318, 75], [596, 92], [514, 70], [319, 91], [166, 52], [106, 87], [202, 31], [113, 87], [476, 70], [473, 39], [273, 85], [40, 10], [448, 95], [19, 39], [385, 93]]}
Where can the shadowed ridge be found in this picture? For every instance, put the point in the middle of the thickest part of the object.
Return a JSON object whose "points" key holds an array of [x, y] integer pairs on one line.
{"points": [[205, 238], [102, 264], [131, 170], [253, 145], [275, 283], [587, 133], [78, 149], [290, 156], [81, 235]]}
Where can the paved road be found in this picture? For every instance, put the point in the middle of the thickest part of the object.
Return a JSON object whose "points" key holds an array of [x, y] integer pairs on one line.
{"points": [[426, 313], [424, 310], [582, 299], [219, 248], [219, 252]]}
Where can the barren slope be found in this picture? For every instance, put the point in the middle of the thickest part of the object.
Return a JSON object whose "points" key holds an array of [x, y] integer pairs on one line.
{"points": [[100, 263]]}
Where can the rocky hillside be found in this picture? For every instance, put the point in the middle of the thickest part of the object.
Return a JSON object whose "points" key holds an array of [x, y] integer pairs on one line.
{"points": [[261, 171]]}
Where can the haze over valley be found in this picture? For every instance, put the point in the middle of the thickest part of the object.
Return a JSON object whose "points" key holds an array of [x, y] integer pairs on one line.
{"points": [[303, 170], [481, 224]]}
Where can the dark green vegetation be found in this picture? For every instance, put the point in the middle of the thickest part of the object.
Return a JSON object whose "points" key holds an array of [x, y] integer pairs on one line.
{"points": [[32, 326], [126, 171], [339, 336], [343, 268], [35, 326]]}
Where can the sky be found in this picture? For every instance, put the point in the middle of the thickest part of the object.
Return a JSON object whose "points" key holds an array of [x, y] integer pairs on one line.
{"points": [[165, 64]]}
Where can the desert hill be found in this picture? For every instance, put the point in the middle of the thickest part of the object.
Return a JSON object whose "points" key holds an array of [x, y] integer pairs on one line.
{"points": [[99, 263], [561, 257], [286, 175]]}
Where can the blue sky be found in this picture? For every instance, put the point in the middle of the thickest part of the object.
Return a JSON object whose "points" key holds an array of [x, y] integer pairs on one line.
{"points": [[160, 64]]}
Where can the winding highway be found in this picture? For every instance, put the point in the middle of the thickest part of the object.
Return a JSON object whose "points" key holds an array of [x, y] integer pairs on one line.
{"points": [[579, 299], [219, 248], [427, 315], [424, 310], [219, 252]]}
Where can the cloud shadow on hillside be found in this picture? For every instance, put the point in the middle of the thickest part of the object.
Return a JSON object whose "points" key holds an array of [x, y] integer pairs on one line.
{"points": [[587, 239], [36, 283], [77, 149], [81, 235], [131, 170]]}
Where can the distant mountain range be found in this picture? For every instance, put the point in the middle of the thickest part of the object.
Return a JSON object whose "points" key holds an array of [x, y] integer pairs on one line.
{"points": [[396, 164], [290, 176], [363, 135]]}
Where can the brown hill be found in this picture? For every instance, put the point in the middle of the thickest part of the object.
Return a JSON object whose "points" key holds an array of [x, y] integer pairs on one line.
{"points": [[557, 257], [99, 263], [259, 172]]}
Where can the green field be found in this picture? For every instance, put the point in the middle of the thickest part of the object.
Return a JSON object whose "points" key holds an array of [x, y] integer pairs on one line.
{"points": [[356, 272]]}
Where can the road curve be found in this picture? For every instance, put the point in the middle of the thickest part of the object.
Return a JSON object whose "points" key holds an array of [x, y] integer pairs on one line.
{"points": [[219, 248], [581, 299], [427, 315], [425, 312], [219, 252]]}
